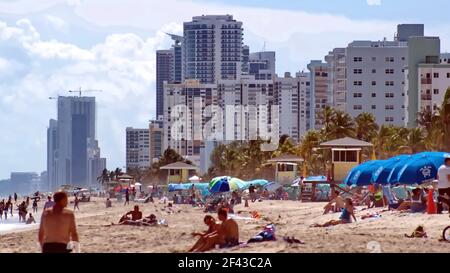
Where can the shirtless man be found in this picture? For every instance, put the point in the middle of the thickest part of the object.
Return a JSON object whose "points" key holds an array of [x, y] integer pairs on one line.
{"points": [[30, 219], [336, 204], [136, 216], [226, 236], [57, 226], [212, 227]]}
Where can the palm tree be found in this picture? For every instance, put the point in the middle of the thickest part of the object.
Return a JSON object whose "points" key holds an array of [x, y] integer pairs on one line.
{"points": [[327, 116], [415, 141], [104, 177], [366, 126], [342, 126]]}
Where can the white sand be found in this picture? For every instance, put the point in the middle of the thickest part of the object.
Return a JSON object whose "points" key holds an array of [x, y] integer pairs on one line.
{"points": [[385, 234]]}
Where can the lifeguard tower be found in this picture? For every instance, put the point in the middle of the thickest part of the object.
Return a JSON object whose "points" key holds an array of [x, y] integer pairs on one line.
{"points": [[286, 168], [345, 154], [179, 172]]}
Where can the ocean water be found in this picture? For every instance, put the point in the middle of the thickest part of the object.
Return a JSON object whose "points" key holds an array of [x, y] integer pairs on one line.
{"points": [[12, 223]]}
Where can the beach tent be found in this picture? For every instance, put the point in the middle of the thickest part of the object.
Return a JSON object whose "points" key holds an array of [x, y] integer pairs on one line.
{"points": [[226, 184], [312, 179]]}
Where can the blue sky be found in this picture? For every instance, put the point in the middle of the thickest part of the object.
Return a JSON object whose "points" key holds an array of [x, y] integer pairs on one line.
{"points": [[50, 46]]}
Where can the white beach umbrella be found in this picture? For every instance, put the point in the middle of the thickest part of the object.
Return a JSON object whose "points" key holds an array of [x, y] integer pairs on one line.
{"points": [[195, 178], [137, 184]]}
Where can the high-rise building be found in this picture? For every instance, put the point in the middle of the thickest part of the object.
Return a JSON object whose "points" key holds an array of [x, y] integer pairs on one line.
{"points": [[421, 50], [375, 80], [164, 73], [262, 65], [320, 96], [337, 85], [183, 117], [245, 59], [156, 139], [52, 147], [77, 156], [137, 148], [24, 182], [291, 98], [212, 48]]}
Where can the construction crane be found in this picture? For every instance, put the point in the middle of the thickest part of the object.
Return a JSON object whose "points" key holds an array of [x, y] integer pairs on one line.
{"points": [[84, 91]]}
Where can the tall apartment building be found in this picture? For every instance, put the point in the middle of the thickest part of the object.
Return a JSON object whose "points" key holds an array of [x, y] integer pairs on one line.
{"points": [[262, 65], [76, 158], [52, 144], [291, 96], [156, 139], [164, 73], [375, 80], [212, 48], [137, 148], [421, 50], [320, 92], [337, 85], [183, 120]]}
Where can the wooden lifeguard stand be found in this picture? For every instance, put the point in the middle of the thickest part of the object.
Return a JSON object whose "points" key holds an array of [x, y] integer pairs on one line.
{"points": [[345, 155], [286, 168], [179, 172]]}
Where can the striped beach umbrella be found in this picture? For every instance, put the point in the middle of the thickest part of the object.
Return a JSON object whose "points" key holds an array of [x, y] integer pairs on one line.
{"points": [[226, 184]]}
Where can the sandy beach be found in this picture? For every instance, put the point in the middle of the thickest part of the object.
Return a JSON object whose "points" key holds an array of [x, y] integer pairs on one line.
{"points": [[384, 234]]}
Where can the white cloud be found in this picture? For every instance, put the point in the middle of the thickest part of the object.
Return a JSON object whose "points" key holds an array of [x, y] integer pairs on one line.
{"points": [[56, 22], [374, 2]]}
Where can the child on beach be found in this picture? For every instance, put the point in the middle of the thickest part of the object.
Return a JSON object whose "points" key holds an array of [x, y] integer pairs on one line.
{"points": [[345, 218]]}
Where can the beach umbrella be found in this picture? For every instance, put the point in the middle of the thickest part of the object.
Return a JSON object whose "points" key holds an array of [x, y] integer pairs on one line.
{"points": [[272, 186], [225, 184], [296, 182], [437, 158], [319, 178], [256, 183], [380, 176], [194, 178], [137, 184], [417, 171], [361, 175]]}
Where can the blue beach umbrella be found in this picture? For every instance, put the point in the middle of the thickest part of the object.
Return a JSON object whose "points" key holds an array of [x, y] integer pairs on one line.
{"points": [[225, 184], [417, 171], [256, 183], [380, 176], [393, 175], [361, 175]]}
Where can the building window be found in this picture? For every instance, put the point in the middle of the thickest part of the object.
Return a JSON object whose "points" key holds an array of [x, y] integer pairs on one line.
{"points": [[374, 83], [374, 71], [357, 83], [374, 107], [357, 59], [403, 58], [389, 107], [389, 83], [374, 95], [435, 75], [389, 119], [389, 59], [374, 59], [389, 71], [436, 91], [357, 71], [357, 95], [357, 107], [389, 95]]}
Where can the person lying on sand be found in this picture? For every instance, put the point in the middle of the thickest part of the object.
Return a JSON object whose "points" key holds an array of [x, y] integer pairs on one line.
{"points": [[226, 236], [150, 220], [212, 227], [345, 217], [336, 204]]}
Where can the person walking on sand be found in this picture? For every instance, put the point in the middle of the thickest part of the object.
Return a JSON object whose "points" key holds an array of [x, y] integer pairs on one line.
{"points": [[57, 226], [15, 198], [127, 197], [49, 204], [35, 206], [76, 202], [443, 185]]}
